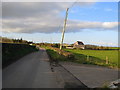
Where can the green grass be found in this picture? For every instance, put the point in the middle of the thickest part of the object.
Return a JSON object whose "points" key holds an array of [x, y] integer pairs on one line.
{"points": [[93, 57], [114, 47], [96, 56], [55, 56]]}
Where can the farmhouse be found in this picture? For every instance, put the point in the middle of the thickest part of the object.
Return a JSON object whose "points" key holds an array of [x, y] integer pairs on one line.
{"points": [[79, 45]]}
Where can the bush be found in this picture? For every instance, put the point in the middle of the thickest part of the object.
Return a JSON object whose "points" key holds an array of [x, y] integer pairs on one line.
{"points": [[12, 52]]}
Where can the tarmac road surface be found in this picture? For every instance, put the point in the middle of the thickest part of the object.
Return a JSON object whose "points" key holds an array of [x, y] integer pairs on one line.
{"points": [[92, 75], [31, 71]]}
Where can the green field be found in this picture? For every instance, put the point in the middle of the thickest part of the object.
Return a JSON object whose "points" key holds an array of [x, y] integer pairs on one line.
{"points": [[114, 47], [96, 56]]}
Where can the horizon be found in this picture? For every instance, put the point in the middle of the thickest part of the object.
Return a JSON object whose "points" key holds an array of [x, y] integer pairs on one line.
{"points": [[63, 43]]}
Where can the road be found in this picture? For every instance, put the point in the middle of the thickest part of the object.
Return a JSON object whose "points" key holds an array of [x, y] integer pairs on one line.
{"points": [[92, 75], [31, 71]]}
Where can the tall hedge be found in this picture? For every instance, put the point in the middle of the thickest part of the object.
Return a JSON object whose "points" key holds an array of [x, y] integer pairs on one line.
{"points": [[12, 52]]}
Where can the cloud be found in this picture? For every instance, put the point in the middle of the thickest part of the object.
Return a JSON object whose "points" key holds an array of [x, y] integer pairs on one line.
{"points": [[108, 9], [105, 43], [44, 17], [35, 26], [80, 26], [23, 10]]}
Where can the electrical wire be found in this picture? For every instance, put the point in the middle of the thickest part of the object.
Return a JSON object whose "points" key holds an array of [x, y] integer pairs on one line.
{"points": [[73, 4], [60, 28]]}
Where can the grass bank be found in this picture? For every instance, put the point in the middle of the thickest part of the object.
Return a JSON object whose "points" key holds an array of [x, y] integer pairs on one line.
{"points": [[12, 52], [55, 56]]}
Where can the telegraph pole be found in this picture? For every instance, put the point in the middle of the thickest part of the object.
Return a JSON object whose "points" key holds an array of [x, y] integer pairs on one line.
{"points": [[61, 44]]}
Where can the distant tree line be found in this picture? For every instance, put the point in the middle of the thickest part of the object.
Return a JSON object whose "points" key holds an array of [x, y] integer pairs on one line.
{"points": [[57, 45], [18, 41], [94, 47]]}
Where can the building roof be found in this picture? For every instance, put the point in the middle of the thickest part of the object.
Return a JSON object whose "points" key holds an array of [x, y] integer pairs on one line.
{"points": [[80, 43]]}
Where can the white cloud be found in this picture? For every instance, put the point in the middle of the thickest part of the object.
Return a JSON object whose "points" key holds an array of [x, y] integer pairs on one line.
{"points": [[44, 26], [108, 9], [110, 25], [100, 43], [44, 18]]}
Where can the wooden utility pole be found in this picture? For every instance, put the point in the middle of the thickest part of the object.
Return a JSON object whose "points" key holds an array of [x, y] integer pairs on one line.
{"points": [[87, 57], [61, 44], [107, 60]]}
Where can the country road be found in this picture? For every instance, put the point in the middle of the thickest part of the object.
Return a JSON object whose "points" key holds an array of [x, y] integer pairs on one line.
{"points": [[31, 71], [34, 71]]}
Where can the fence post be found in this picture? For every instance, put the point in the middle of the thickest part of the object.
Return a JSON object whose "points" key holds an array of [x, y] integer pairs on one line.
{"points": [[106, 60], [87, 57]]}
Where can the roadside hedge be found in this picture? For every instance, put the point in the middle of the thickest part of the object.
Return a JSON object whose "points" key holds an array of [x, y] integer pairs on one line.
{"points": [[12, 52]]}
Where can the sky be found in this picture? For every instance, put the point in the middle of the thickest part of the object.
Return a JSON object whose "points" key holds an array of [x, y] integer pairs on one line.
{"points": [[90, 22]]}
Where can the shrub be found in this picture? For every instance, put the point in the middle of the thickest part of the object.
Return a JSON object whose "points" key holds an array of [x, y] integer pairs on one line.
{"points": [[12, 52]]}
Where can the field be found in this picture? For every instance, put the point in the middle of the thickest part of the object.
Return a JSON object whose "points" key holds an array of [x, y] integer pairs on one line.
{"points": [[96, 56], [114, 47]]}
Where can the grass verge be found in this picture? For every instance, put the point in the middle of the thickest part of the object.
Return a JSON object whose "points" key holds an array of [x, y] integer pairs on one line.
{"points": [[94, 57], [55, 56]]}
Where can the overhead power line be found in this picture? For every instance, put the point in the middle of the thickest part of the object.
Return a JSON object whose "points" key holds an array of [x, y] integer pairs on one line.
{"points": [[69, 8], [73, 4]]}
